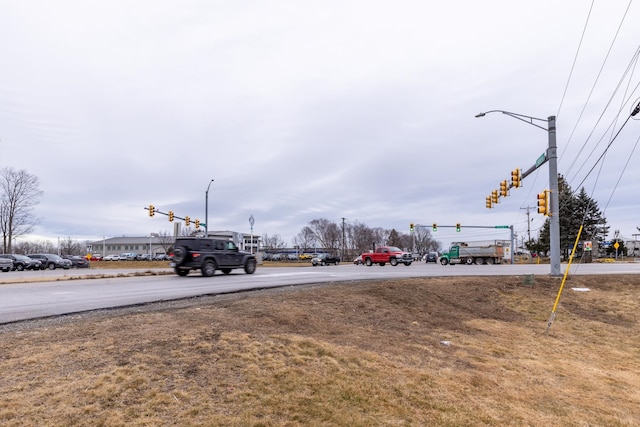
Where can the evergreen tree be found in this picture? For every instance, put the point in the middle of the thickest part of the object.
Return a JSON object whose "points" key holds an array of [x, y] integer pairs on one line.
{"points": [[574, 211]]}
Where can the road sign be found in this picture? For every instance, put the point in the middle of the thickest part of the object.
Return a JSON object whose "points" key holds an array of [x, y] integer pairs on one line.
{"points": [[541, 159], [501, 226]]}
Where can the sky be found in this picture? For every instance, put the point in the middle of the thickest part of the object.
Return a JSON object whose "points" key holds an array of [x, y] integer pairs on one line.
{"points": [[300, 110]]}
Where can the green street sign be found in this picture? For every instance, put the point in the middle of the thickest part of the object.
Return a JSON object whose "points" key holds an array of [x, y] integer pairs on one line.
{"points": [[501, 226], [541, 159]]}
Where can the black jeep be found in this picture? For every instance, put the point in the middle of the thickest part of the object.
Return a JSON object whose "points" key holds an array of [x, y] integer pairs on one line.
{"points": [[209, 255]]}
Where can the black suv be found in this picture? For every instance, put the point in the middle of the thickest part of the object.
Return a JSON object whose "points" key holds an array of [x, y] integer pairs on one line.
{"points": [[209, 255]]}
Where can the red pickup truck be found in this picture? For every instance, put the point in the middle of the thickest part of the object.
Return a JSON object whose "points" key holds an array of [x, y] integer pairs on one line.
{"points": [[387, 254]]}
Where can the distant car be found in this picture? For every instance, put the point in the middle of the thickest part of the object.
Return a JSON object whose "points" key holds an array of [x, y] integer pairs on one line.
{"points": [[111, 258], [325, 259], [416, 257], [431, 257], [22, 262], [358, 260], [305, 256], [51, 261], [78, 261], [143, 257], [6, 264], [161, 257]]}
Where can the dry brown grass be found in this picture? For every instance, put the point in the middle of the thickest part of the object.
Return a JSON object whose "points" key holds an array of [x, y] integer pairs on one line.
{"points": [[350, 354]]}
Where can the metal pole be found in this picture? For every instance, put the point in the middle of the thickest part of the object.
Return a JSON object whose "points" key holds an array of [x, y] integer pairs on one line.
{"points": [[554, 220], [206, 210]]}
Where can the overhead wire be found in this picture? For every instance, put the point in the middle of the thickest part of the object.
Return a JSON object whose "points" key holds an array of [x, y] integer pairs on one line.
{"points": [[604, 62]]}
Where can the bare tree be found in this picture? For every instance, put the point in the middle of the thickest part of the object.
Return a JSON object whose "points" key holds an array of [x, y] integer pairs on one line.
{"points": [[273, 242], [70, 247], [306, 239], [165, 239], [327, 233], [20, 193]]}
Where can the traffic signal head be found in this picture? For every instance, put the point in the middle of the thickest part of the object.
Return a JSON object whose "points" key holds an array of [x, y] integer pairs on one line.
{"points": [[516, 178], [543, 202], [458, 227], [187, 220], [488, 202], [170, 215], [152, 210], [494, 196], [197, 223], [411, 227], [435, 227], [504, 188]]}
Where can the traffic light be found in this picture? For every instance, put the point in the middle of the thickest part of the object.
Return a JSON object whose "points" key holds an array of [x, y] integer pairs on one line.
{"points": [[170, 215], [187, 220], [458, 227], [516, 178], [494, 196], [152, 210], [197, 223], [543, 203], [411, 227], [504, 188], [435, 227], [488, 202]]}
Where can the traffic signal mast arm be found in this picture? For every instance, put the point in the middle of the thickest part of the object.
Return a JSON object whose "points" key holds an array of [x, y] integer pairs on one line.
{"points": [[171, 215]]}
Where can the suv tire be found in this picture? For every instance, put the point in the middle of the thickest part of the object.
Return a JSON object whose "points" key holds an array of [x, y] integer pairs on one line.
{"points": [[179, 254], [208, 268], [250, 266], [181, 272]]}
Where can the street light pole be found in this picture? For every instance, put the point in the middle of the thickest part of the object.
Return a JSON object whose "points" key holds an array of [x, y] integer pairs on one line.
{"points": [[206, 210], [551, 156]]}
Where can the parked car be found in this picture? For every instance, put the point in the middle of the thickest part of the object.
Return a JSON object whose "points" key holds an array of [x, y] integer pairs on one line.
{"points": [[78, 261], [6, 264], [111, 258], [325, 259], [305, 256], [358, 260], [51, 261], [416, 257], [22, 262], [431, 257], [128, 256], [143, 257], [161, 257]]}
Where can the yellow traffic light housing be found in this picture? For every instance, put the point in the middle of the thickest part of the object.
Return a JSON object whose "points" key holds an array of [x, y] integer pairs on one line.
{"points": [[543, 203], [434, 227], [197, 223], [494, 196], [152, 210], [411, 227], [504, 188], [488, 202], [458, 227], [516, 178], [170, 215], [187, 220]]}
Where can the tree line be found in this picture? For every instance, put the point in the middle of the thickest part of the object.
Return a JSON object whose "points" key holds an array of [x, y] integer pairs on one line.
{"points": [[350, 239]]}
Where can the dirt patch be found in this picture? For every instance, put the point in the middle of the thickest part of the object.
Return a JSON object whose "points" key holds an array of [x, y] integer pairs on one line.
{"points": [[432, 351]]}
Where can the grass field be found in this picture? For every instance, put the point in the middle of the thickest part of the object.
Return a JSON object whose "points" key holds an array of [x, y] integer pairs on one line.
{"points": [[415, 352]]}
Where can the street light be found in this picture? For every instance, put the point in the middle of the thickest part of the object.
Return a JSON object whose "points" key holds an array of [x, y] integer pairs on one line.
{"points": [[552, 157], [206, 210]]}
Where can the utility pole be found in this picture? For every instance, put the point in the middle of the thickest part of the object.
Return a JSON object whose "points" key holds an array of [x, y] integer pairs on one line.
{"points": [[528, 208]]}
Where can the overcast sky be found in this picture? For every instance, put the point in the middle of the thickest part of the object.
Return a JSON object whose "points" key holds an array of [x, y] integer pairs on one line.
{"points": [[299, 110]]}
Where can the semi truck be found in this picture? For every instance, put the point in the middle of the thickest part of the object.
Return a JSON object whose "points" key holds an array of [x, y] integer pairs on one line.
{"points": [[463, 253]]}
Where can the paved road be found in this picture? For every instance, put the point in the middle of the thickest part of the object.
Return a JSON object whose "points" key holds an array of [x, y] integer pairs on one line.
{"points": [[52, 296]]}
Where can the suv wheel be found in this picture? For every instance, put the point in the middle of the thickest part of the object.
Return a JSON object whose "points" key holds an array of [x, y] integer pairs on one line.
{"points": [[250, 266], [209, 268], [179, 254], [181, 271]]}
